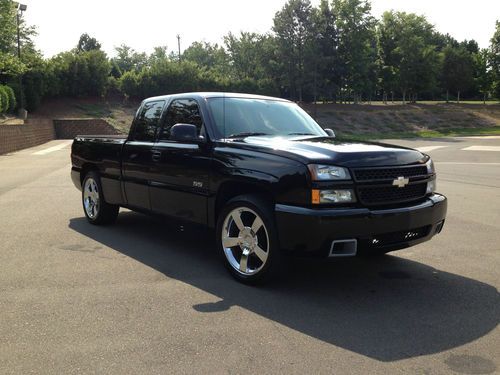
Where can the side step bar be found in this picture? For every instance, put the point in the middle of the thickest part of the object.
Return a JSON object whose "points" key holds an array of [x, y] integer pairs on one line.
{"points": [[344, 248]]}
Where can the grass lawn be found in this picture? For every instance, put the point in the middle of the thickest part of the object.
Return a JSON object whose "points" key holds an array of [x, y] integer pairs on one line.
{"points": [[360, 121], [457, 132]]}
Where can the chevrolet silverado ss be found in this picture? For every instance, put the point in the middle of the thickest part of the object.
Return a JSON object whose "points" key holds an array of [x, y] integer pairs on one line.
{"points": [[263, 174]]}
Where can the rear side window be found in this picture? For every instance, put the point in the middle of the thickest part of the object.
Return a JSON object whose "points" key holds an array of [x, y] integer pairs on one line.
{"points": [[182, 111], [148, 121]]}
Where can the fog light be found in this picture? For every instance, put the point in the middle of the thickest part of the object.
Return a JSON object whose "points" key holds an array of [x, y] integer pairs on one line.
{"points": [[333, 196]]}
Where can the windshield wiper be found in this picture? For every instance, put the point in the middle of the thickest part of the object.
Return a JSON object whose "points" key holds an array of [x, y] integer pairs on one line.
{"points": [[298, 133], [247, 134]]}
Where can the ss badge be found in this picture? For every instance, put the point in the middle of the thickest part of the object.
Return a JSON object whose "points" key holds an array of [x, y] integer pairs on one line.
{"points": [[197, 184]]}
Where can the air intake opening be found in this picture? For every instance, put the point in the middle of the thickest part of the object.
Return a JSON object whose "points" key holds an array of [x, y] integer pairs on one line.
{"points": [[439, 227], [344, 248]]}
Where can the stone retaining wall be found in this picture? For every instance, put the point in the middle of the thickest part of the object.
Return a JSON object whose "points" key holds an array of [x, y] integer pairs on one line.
{"points": [[17, 137], [70, 128], [37, 131]]}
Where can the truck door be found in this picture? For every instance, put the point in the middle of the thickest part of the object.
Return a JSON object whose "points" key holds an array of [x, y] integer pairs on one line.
{"points": [[138, 157], [179, 185]]}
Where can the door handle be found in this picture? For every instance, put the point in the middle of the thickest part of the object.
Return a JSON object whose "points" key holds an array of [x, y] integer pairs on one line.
{"points": [[156, 155]]}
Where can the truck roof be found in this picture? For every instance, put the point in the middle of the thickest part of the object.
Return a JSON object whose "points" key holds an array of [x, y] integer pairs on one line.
{"points": [[206, 95]]}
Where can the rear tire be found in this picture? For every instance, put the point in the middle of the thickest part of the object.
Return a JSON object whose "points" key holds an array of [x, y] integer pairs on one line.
{"points": [[96, 209], [247, 239]]}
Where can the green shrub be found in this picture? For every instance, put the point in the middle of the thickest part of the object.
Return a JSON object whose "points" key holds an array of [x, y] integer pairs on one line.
{"points": [[4, 98], [12, 99]]}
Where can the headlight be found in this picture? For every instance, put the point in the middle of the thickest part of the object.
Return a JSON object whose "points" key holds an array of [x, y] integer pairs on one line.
{"points": [[333, 196], [431, 186], [328, 173], [430, 167]]}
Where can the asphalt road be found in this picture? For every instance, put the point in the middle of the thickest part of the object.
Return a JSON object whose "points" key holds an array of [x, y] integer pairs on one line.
{"points": [[145, 297]]}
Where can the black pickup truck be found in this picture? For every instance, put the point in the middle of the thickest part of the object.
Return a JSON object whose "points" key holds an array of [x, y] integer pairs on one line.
{"points": [[265, 175]]}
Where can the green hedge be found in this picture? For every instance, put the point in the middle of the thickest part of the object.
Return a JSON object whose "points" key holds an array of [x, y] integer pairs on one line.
{"points": [[7, 99], [4, 100], [12, 99]]}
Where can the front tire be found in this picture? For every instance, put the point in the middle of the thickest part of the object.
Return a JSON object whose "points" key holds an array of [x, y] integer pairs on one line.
{"points": [[247, 239], [96, 209]]}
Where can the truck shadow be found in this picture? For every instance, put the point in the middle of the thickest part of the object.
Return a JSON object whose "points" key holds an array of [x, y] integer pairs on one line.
{"points": [[388, 309]]}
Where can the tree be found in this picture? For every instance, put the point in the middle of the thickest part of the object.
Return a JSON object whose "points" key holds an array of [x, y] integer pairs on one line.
{"points": [[128, 59], [159, 53], [407, 53], [294, 34], [252, 55], [87, 43], [10, 64], [457, 70], [327, 65], [7, 26], [483, 76], [495, 60], [207, 55], [356, 47]]}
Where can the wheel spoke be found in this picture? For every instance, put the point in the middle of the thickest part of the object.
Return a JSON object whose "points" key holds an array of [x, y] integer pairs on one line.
{"points": [[229, 242], [257, 224], [244, 261], [237, 220], [261, 254]]}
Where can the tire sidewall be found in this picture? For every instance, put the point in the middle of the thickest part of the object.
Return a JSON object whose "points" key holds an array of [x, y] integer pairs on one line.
{"points": [[97, 180], [262, 208]]}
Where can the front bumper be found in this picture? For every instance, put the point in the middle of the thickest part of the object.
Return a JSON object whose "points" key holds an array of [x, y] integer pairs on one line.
{"points": [[305, 230]]}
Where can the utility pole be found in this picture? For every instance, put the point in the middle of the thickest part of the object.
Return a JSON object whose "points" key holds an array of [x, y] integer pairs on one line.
{"points": [[179, 46], [20, 9]]}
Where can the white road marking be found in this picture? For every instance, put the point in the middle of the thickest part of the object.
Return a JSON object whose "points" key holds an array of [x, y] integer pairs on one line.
{"points": [[482, 137], [482, 148], [429, 148], [53, 148], [463, 163]]}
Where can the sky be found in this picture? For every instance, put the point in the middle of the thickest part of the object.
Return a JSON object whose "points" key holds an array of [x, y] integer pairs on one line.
{"points": [[148, 23]]}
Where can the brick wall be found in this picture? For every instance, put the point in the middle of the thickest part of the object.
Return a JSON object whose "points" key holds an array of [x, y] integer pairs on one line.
{"points": [[17, 137], [70, 128]]}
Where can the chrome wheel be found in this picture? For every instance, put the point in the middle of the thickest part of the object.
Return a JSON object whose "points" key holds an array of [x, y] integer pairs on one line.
{"points": [[245, 241], [91, 200]]}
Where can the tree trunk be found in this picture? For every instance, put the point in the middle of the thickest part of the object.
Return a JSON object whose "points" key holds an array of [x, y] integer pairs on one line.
{"points": [[484, 98], [392, 97], [458, 98], [404, 97], [447, 96]]}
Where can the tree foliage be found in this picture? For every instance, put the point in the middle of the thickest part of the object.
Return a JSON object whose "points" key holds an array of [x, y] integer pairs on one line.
{"points": [[495, 60], [458, 67], [335, 51], [87, 43]]}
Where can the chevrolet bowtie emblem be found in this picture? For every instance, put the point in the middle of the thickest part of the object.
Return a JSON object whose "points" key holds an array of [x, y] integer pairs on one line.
{"points": [[401, 182]]}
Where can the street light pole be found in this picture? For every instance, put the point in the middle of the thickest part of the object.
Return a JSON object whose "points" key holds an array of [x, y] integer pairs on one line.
{"points": [[20, 9]]}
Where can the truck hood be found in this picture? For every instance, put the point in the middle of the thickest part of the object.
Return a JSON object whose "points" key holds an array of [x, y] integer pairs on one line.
{"points": [[331, 151]]}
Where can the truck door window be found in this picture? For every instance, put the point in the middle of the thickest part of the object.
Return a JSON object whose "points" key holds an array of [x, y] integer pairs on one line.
{"points": [[182, 111], [148, 120]]}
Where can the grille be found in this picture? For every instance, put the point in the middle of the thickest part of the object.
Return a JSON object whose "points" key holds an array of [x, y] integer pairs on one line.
{"points": [[391, 194], [389, 173], [397, 237]]}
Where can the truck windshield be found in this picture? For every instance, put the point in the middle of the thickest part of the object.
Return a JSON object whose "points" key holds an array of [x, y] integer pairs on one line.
{"points": [[241, 117]]}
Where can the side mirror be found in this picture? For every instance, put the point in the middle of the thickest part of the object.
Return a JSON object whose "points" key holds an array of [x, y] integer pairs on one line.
{"points": [[330, 132], [184, 133]]}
